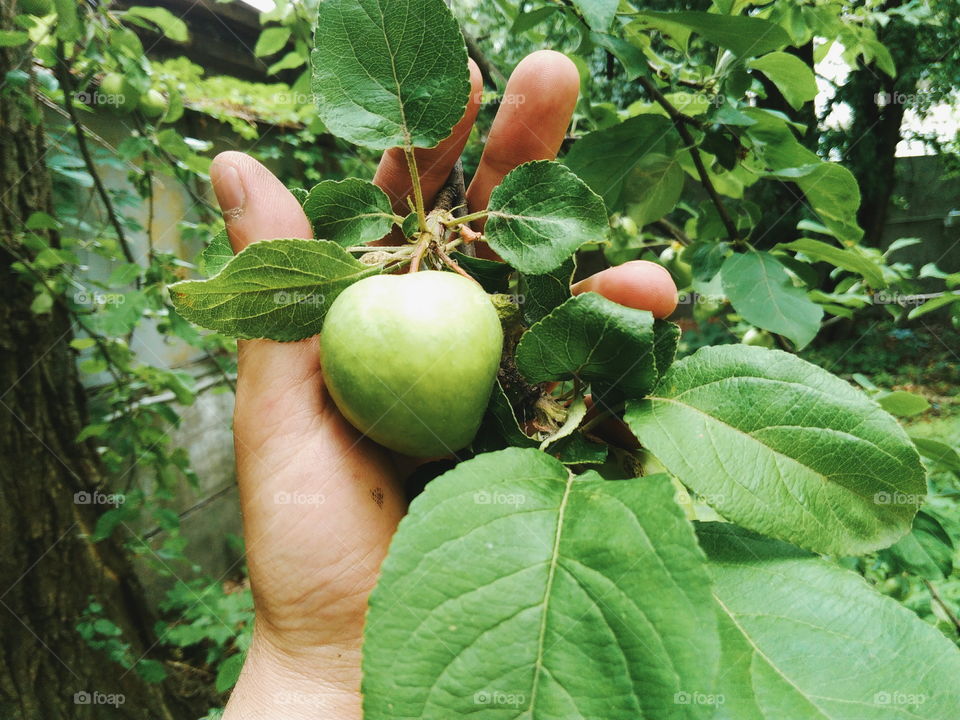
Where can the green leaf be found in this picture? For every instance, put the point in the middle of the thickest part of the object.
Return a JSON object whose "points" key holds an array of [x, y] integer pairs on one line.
{"points": [[666, 338], [948, 298], [278, 289], [493, 276], [595, 340], [502, 575], [807, 640], [153, 671], [851, 259], [939, 452], [229, 672], [743, 36], [902, 403], [541, 294], [604, 159], [784, 448], [926, 551], [764, 295], [215, 256], [68, 25], [834, 194], [653, 188], [13, 38], [500, 428], [599, 14], [540, 214], [792, 76], [271, 41], [349, 212], [389, 73], [631, 57], [170, 25], [292, 59]]}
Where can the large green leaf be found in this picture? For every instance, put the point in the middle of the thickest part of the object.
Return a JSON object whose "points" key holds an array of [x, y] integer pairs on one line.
{"points": [[807, 640], [540, 214], [594, 340], [834, 194], [792, 76], [604, 159], [278, 289], [763, 294], [852, 259], [389, 73], [506, 595], [653, 188], [743, 36], [784, 448], [349, 212]]}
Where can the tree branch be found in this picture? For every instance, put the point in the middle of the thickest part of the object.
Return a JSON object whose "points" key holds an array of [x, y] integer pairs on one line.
{"points": [[491, 73], [943, 605], [680, 121], [66, 85]]}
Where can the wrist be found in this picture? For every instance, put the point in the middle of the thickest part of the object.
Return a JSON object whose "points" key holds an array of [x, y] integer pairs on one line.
{"points": [[318, 682]]}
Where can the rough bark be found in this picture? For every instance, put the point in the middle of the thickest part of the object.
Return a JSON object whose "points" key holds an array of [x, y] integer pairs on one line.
{"points": [[49, 571]]}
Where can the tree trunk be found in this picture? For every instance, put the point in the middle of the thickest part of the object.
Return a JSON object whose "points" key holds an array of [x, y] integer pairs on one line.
{"points": [[49, 571]]}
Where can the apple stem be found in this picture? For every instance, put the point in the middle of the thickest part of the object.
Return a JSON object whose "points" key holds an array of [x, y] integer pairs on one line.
{"points": [[418, 256]]}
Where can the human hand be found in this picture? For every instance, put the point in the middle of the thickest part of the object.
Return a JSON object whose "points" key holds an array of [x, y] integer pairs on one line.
{"points": [[320, 502]]}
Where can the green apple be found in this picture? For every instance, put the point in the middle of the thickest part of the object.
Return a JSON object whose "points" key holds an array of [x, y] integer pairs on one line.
{"points": [[758, 338], [116, 91], [672, 260], [410, 359], [153, 104]]}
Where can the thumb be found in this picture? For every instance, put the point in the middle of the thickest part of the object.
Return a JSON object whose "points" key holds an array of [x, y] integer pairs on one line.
{"points": [[277, 382]]}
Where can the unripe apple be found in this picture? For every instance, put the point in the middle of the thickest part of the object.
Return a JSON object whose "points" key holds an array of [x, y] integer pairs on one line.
{"points": [[118, 92], [758, 338], [410, 359], [671, 258], [153, 104]]}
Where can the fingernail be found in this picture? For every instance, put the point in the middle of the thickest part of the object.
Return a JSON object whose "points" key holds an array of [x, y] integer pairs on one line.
{"points": [[229, 191]]}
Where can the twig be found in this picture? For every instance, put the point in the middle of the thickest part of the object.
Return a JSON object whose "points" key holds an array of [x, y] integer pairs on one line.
{"points": [[490, 72], [946, 608], [680, 121], [679, 235], [63, 74], [453, 197], [452, 264]]}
